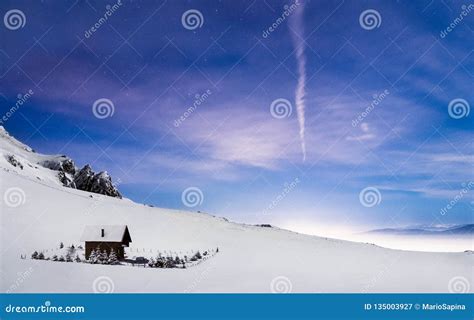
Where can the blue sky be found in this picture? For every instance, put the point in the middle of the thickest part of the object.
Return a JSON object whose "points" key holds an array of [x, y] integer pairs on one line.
{"points": [[328, 63]]}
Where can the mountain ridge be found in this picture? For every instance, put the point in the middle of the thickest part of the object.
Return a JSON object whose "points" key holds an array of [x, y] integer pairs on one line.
{"points": [[24, 160], [462, 229]]}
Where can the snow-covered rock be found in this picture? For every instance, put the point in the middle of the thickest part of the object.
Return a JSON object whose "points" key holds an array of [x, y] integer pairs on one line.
{"points": [[101, 182], [66, 180], [58, 169], [14, 161], [60, 163]]}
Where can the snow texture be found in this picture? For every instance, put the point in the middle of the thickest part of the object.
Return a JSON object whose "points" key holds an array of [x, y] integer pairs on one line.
{"points": [[250, 258]]}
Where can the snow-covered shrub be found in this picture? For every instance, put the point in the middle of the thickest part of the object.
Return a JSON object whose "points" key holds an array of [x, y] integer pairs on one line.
{"points": [[197, 256], [104, 257], [71, 250], [41, 256], [54, 258], [77, 259], [112, 257], [34, 255], [68, 258], [61, 259], [61, 245], [151, 263], [169, 262], [160, 262], [94, 257]]}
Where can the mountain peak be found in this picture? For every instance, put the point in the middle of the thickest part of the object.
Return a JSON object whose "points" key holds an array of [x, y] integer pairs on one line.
{"points": [[56, 169]]}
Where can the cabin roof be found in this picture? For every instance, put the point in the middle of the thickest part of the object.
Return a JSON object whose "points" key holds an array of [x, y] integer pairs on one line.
{"points": [[112, 233]]}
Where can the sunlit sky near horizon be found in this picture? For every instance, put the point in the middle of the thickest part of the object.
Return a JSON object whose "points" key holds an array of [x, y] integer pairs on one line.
{"points": [[248, 162]]}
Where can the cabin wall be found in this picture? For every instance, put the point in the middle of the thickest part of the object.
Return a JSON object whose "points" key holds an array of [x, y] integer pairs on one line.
{"points": [[107, 246]]}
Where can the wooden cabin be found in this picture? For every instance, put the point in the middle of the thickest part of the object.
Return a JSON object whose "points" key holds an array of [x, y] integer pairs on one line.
{"points": [[106, 237]]}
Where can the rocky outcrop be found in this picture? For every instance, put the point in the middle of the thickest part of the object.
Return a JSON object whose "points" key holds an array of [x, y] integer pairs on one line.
{"points": [[66, 180], [85, 179], [14, 162], [62, 166], [61, 163], [101, 182]]}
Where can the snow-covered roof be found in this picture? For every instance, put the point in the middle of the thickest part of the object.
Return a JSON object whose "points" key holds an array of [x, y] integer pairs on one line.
{"points": [[112, 233]]}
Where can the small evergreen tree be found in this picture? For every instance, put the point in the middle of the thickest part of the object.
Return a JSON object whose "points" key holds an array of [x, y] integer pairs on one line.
{"points": [[61, 259], [160, 262], [112, 257], [41, 256], [61, 245], [151, 263], [104, 257], [198, 255], [169, 263], [34, 255], [54, 258], [94, 257]]}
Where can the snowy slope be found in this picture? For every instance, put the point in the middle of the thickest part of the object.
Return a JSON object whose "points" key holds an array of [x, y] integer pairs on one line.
{"points": [[29, 162], [250, 258], [52, 169]]}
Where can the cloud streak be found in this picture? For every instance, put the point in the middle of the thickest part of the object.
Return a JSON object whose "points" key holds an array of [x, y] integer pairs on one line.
{"points": [[300, 91]]}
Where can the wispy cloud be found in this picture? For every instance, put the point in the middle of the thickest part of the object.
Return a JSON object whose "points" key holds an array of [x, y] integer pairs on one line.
{"points": [[300, 91]]}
